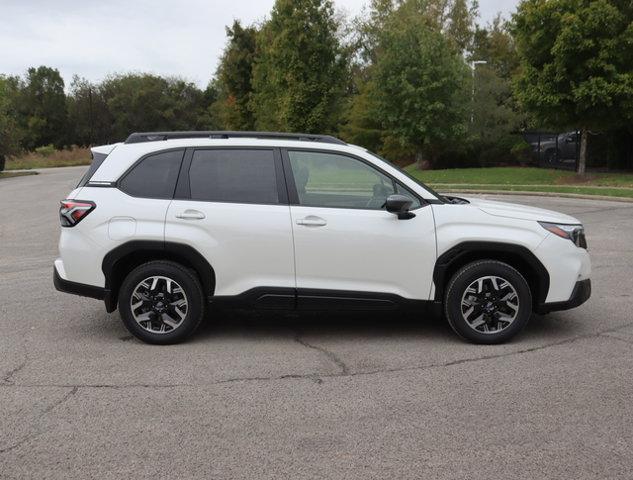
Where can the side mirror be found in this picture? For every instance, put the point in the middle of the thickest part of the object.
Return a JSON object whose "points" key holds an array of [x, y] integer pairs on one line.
{"points": [[399, 204]]}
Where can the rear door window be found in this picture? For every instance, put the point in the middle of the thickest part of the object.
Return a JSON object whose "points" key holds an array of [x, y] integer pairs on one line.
{"points": [[233, 175], [155, 176]]}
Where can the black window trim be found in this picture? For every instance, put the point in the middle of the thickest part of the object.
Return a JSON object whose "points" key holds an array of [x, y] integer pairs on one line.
{"points": [[183, 187], [119, 187], [292, 189]]}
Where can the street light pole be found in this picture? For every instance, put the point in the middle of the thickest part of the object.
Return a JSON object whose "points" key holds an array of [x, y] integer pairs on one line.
{"points": [[473, 66]]}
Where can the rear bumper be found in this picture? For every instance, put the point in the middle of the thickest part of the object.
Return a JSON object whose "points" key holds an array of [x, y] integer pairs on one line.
{"points": [[580, 294], [81, 289]]}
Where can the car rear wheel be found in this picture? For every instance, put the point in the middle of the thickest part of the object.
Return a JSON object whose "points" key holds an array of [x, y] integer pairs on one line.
{"points": [[161, 302], [488, 302]]}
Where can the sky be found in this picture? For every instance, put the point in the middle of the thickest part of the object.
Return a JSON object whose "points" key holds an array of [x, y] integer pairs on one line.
{"points": [[94, 38]]}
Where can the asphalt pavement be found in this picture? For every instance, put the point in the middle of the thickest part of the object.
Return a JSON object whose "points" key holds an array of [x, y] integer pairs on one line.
{"points": [[318, 396]]}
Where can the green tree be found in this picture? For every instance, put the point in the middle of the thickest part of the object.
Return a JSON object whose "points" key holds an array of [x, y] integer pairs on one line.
{"points": [[10, 134], [142, 102], [42, 110], [460, 21], [299, 77], [234, 78], [576, 63], [88, 115], [494, 44], [454, 18], [495, 113], [209, 117], [419, 86]]}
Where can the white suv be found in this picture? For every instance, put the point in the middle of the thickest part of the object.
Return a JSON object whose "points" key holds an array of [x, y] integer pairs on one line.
{"points": [[169, 224]]}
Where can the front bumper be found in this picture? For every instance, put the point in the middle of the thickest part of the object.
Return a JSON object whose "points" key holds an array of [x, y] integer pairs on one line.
{"points": [[580, 294]]}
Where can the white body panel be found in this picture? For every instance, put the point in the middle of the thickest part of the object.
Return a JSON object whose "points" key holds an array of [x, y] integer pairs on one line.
{"points": [[247, 245], [565, 262], [118, 218], [520, 212], [365, 250]]}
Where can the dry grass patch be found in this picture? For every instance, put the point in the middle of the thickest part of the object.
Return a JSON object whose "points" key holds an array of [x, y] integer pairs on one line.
{"points": [[57, 158]]}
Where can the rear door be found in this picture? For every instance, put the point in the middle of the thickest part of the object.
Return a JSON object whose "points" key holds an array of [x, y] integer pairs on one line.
{"points": [[231, 205]]}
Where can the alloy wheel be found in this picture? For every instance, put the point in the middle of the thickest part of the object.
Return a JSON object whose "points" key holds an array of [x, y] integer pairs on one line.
{"points": [[159, 304], [490, 304]]}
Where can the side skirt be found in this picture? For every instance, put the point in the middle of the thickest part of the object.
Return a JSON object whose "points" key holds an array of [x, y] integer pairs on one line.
{"points": [[275, 298]]}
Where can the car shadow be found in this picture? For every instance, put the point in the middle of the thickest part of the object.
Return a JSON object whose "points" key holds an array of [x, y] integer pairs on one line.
{"points": [[357, 325]]}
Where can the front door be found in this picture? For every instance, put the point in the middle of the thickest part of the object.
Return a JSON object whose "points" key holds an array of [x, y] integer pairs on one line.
{"points": [[345, 241]]}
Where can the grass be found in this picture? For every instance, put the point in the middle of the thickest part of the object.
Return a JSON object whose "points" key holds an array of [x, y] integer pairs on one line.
{"points": [[605, 191], [519, 176], [527, 180], [15, 174], [58, 158]]}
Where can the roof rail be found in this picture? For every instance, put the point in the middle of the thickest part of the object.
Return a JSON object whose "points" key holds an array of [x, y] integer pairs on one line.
{"points": [[305, 137]]}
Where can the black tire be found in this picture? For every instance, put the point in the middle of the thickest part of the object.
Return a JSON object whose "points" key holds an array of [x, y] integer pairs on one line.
{"points": [[190, 285], [456, 291], [551, 156]]}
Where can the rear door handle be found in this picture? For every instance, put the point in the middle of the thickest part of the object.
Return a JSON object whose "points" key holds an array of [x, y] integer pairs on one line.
{"points": [[312, 221], [191, 215]]}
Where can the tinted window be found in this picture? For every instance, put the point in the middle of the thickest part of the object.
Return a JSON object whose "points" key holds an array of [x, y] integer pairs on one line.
{"points": [[97, 160], [241, 176], [331, 180], [155, 176], [406, 192]]}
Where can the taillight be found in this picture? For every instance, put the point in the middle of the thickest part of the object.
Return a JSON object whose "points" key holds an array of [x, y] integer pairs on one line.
{"points": [[71, 212]]}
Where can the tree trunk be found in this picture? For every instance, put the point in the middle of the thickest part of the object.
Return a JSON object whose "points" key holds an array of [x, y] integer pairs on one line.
{"points": [[419, 160], [2, 159], [582, 158]]}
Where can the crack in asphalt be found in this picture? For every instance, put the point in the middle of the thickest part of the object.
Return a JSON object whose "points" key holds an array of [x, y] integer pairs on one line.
{"points": [[613, 337], [8, 377], [44, 412], [329, 354], [318, 377]]}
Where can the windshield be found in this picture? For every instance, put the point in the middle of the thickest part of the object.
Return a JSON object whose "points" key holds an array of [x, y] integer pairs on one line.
{"points": [[408, 175]]}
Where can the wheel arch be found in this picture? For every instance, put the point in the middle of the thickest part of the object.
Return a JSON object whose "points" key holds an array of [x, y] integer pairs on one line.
{"points": [[516, 256], [120, 261]]}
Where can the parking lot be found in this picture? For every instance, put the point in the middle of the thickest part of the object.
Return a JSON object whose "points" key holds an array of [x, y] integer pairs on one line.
{"points": [[311, 396]]}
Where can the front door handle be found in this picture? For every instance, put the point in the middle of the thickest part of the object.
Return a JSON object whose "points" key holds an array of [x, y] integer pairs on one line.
{"points": [[312, 221], [191, 215]]}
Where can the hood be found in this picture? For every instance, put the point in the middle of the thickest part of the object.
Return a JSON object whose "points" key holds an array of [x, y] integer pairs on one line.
{"points": [[522, 212]]}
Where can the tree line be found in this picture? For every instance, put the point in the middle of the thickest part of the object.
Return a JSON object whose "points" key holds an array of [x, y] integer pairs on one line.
{"points": [[410, 79]]}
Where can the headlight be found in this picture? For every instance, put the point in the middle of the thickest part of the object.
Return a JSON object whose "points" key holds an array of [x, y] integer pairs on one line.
{"points": [[575, 233]]}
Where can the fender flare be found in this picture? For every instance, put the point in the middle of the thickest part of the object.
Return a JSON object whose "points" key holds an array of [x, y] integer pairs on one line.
{"points": [[455, 257], [151, 248]]}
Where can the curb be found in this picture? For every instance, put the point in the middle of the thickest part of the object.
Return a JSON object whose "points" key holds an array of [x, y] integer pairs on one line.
{"points": [[541, 194]]}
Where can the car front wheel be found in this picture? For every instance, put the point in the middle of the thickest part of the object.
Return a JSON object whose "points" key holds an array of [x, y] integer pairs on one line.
{"points": [[488, 302]]}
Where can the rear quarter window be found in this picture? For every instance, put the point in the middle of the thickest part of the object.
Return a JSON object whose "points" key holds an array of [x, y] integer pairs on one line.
{"points": [[155, 176], [97, 160]]}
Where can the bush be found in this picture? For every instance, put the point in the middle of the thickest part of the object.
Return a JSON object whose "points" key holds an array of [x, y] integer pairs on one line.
{"points": [[45, 150]]}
